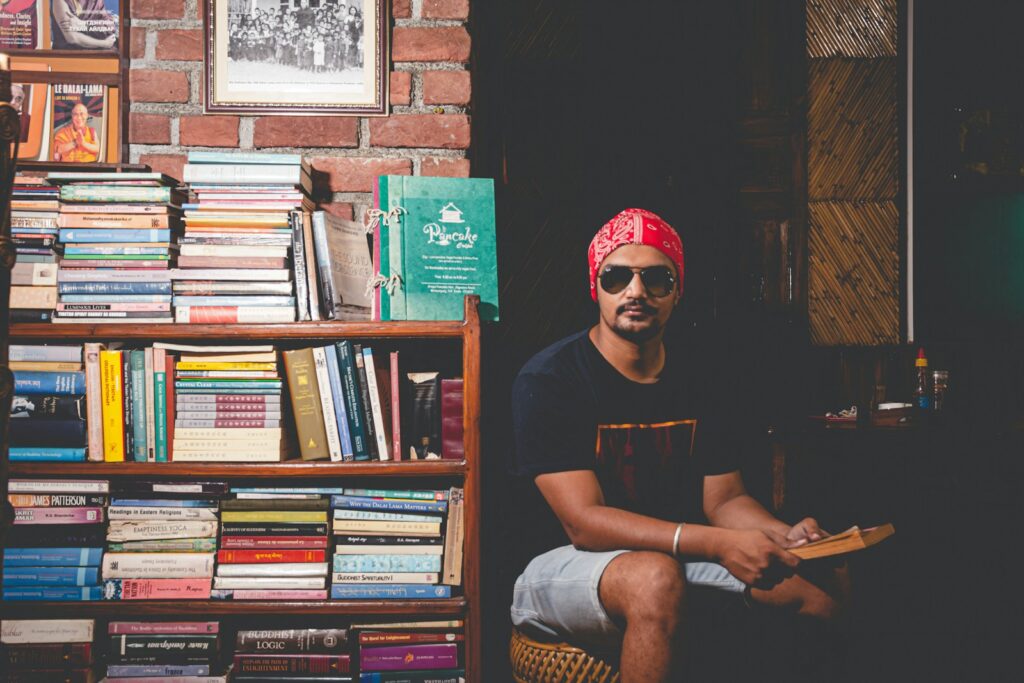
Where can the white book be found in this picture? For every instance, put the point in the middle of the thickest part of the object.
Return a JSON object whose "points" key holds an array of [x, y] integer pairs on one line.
{"points": [[264, 434], [239, 250], [267, 349], [384, 577], [433, 549], [150, 425], [327, 403], [121, 531], [112, 275], [34, 274], [375, 409], [112, 321], [57, 486], [207, 288], [342, 513], [22, 631], [279, 582], [139, 513], [93, 402], [276, 174], [158, 565], [227, 445], [226, 456], [277, 496], [240, 274], [274, 569]]}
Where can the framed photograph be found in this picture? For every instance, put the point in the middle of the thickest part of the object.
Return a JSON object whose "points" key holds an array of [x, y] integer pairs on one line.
{"points": [[296, 56]]}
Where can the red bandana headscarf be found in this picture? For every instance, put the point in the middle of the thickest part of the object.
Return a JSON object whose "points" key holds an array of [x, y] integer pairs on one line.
{"points": [[635, 226]]}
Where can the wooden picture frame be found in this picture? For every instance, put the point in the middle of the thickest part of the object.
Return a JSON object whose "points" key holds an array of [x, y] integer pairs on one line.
{"points": [[296, 56]]}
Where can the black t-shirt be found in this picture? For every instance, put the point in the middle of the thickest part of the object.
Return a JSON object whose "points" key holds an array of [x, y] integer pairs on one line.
{"points": [[650, 445]]}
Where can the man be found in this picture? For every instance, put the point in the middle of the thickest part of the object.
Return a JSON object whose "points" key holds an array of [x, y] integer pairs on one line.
{"points": [[83, 24], [77, 142], [18, 97], [623, 580]]}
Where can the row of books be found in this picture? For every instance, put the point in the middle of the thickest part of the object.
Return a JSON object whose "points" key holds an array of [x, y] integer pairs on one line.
{"points": [[226, 404], [34, 232], [76, 540], [207, 652]]}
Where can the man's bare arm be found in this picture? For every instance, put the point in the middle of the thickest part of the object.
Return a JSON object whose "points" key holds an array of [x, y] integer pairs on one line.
{"points": [[727, 504]]}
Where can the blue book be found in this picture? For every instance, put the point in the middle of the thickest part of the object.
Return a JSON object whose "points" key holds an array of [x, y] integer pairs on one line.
{"points": [[340, 412], [353, 400], [387, 563], [162, 503], [228, 384], [114, 287], [58, 383], [115, 298], [156, 671], [244, 158], [388, 591], [69, 594], [270, 391], [391, 505], [414, 676], [33, 352], [116, 251], [34, 231], [138, 405], [59, 433], [99, 236], [50, 576], [43, 454], [288, 301], [52, 557]]}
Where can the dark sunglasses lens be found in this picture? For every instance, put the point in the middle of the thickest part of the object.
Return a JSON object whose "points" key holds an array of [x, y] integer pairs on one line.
{"points": [[657, 280], [614, 279]]}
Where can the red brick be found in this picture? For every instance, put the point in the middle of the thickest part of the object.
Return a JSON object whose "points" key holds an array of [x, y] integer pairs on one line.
{"points": [[448, 44], [340, 209], [137, 49], [449, 131], [446, 87], [171, 164], [351, 174], [445, 9], [159, 9], [401, 87], [185, 45], [401, 9], [306, 131], [152, 85], [209, 131], [152, 129], [448, 168]]}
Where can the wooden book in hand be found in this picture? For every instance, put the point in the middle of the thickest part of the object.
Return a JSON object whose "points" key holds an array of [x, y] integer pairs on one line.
{"points": [[850, 540]]}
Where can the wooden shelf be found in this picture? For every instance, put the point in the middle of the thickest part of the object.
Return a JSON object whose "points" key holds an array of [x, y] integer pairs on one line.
{"points": [[290, 468], [227, 334], [201, 608]]}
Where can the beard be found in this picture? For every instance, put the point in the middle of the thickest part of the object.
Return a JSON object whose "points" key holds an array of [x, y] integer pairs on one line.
{"points": [[637, 334]]}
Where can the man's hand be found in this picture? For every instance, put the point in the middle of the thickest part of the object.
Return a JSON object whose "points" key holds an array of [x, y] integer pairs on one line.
{"points": [[804, 531], [754, 558]]}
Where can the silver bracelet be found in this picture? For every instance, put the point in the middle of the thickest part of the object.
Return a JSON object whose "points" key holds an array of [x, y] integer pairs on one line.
{"points": [[675, 539]]}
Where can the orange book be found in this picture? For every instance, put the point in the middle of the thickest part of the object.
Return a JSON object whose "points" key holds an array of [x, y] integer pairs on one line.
{"points": [[849, 541]]}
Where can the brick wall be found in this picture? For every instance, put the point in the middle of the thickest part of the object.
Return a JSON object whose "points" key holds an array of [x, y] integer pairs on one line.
{"points": [[426, 133]]}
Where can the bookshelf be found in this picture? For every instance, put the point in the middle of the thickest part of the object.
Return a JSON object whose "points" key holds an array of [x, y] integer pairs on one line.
{"points": [[464, 473]]}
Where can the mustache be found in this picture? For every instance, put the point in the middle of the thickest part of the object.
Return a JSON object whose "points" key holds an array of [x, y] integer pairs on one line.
{"points": [[644, 307]]}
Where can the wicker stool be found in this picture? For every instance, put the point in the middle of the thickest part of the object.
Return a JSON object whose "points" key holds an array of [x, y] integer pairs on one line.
{"points": [[536, 662]]}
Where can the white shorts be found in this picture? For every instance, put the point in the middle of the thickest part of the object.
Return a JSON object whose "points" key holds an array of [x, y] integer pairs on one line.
{"points": [[556, 597]]}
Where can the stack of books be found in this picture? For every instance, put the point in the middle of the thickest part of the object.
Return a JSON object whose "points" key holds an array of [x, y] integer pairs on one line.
{"points": [[346, 402], [321, 654], [34, 206], [389, 545], [273, 544], [48, 413], [227, 405], [163, 652], [54, 550], [241, 230], [133, 397], [47, 650], [412, 652], [118, 231], [161, 540]]}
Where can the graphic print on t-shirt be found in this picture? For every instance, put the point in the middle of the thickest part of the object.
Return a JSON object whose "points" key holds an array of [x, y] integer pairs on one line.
{"points": [[648, 467]]}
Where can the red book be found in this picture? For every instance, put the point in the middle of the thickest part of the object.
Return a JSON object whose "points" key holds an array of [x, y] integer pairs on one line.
{"points": [[261, 556], [380, 638], [396, 417], [303, 664], [452, 424], [52, 515], [218, 399], [230, 262], [408, 657], [163, 627], [275, 542]]}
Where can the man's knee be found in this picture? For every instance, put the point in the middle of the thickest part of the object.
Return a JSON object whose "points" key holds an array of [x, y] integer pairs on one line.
{"points": [[645, 586]]}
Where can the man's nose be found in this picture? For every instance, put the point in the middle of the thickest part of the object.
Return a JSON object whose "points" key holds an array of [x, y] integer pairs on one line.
{"points": [[636, 289]]}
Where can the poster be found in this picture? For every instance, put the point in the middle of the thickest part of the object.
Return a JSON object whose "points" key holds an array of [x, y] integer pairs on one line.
{"points": [[84, 24], [79, 112], [19, 24]]}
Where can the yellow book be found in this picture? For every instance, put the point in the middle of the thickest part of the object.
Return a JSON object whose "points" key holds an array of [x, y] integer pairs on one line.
{"points": [[113, 406], [220, 365], [297, 516], [44, 366], [850, 540]]}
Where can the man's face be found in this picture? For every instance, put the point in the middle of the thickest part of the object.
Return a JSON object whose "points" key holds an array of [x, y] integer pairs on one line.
{"points": [[17, 96], [634, 313], [79, 117]]}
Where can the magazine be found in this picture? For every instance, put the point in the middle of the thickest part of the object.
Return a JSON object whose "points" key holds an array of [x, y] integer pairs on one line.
{"points": [[79, 122]]}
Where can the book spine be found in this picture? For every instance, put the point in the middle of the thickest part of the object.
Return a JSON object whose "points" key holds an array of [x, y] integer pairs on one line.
{"points": [[157, 565], [156, 589], [182, 545], [415, 494], [52, 557], [271, 529], [32, 297], [345, 514], [44, 407], [364, 399], [138, 405], [43, 454], [162, 649], [160, 405], [115, 193], [270, 501], [323, 266], [150, 425], [229, 411], [93, 401], [110, 288], [292, 641], [156, 672], [384, 577], [219, 315], [429, 676], [338, 396], [383, 548], [383, 450], [349, 526], [277, 569], [273, 594], [291, 516], [99, 236], [37, 631], [452, 420], [262, 556], [52, 486], [397, 638], [167, 679], [402, 657], [273, 542], [34, 274], [299, 266], [72, 515], [181, 454], [50, 576], [265, 582], [311, 275], [199, 502], [353, 402], [327, 403], [294, 665], [396, 412], [163, 627], [308, 411], [68, 594], [51, 354], [56, 500], [113, 221], [388, 592], [119, 532], [214, 399], [124, 512], [270, 174], [56, 383], [52, 433], [454, 537], [45, 656], [170, 402], [389, 505], [127, 381], [225, 423], [386, 563]]}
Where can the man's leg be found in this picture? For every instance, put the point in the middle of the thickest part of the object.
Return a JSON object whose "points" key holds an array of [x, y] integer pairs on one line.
{"points": [[646, 591], [820, 594]]}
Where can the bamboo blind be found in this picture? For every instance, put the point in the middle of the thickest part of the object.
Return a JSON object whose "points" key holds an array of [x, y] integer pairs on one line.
{"points": [[851, 28]]}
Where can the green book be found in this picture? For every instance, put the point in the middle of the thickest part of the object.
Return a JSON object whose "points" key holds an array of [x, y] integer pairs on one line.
{"points": [[353, 400], [443, 246], [160, 410], [383, 257], [138, 364], [118, 193]]}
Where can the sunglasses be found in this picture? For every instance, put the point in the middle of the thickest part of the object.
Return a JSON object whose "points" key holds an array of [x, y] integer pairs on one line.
{"points": [[658, 280]]}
